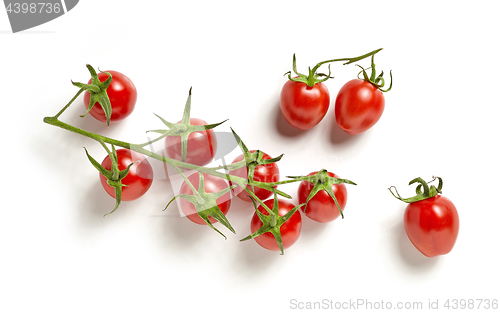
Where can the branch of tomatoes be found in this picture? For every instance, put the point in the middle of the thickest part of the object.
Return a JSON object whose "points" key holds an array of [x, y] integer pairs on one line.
{"points": [[121, 170]]}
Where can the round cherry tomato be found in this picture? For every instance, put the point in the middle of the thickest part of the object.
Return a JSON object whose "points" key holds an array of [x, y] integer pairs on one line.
{"points": [[432, 225], [201, 145], [303, 106], [266, 173], [359, 105], [138, 179], [290, 230], [322, 208], [122, 95], [212, 184]]}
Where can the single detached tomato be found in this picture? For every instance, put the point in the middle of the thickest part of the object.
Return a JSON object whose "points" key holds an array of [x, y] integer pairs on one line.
{"points": [[321, 207], [212, 184], [290, 230], [432, 225], [138, 179], [359, 105], [122, 96], [266, 173], [304, 106], [201, 145]]}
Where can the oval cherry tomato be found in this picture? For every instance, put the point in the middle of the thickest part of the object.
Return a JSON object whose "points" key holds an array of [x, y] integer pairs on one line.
{"points": [[322, 208], [359, 105], [212, 184], [290, 230], [122, 95], [266, 173], [432, 225], [303, 106], [201, 145], [138, 179]]}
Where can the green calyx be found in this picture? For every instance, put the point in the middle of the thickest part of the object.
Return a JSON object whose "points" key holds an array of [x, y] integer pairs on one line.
{"points": [[272, 222], [427, 192], [205, 204], [184, 128], [322, 181], [377, 81], [313, 77], [114, 176], [252, 160], [97, 90]]}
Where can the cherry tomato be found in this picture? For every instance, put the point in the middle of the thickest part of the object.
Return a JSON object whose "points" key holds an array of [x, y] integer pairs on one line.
{"points": [[290, 230], [122, 95], [201, 145], [303, 106], [266, 173], [212, 184], [138, 179], [322, 208], [432, 225], [359, 105]]}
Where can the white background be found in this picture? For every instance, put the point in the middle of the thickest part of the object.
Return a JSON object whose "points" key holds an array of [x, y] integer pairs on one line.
{"points": [[59, 254]]}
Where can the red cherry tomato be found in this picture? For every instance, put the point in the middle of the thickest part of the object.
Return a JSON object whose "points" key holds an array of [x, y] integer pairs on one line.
{"points": [[122, 95], [201, 145], [322, 208], [266, 173], [432, 225], [303, 106], [290, 230], [138, 179], [359, 105], [212, 184]]}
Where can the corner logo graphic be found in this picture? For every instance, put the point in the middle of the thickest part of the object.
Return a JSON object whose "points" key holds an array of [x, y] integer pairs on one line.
{"points": [[25, 14]]}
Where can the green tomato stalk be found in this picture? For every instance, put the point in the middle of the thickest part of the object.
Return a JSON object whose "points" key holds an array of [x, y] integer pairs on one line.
{"points": [[313, 78], [377, 81], [427, 193]]}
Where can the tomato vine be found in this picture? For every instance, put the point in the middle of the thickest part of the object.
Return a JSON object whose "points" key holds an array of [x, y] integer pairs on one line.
{"points": [[204, 202]]}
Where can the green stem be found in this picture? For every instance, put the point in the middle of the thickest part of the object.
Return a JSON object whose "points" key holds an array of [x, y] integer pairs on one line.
{"points": [[69, 103], [261, 203], [349, 60], [140, 149], [55, 122], [194, 190], [153, 141]]}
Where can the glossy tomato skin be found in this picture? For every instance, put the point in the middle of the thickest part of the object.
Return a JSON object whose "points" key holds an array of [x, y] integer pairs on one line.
{"points": [[432, 225], [290, 230], [303, 106], [201, 147], [212, 184], [358, 106], [122, 95], [266, 173], [138, 179], [322, 208]]}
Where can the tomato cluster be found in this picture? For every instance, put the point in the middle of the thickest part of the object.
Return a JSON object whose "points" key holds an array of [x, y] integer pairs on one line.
{"points": [[305, 99], [430, 220]]}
